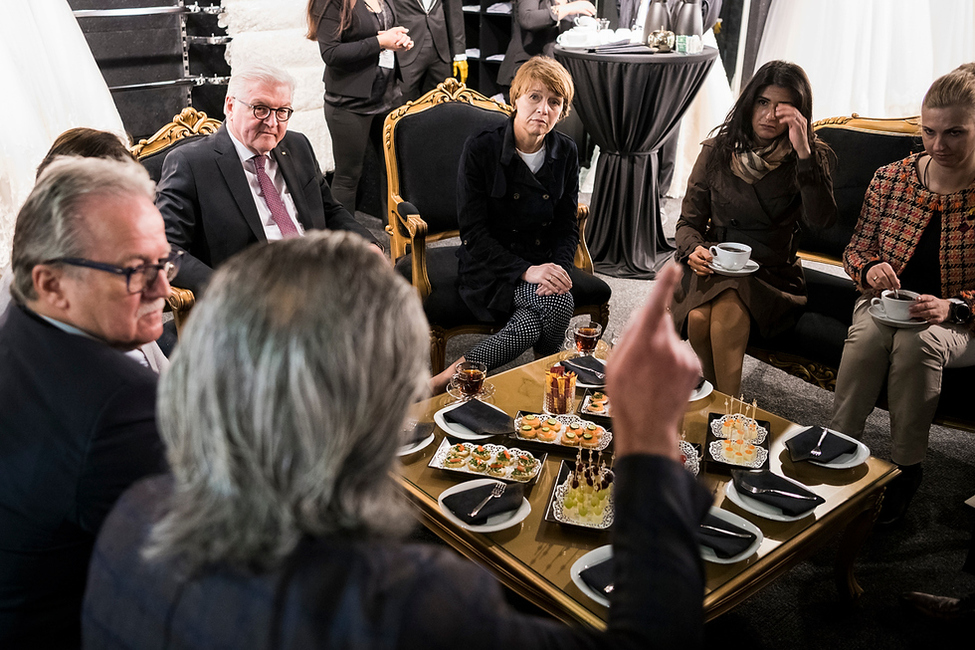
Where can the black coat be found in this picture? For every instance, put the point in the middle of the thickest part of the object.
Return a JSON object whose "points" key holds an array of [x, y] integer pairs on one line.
{"points": [[356, 592], [511, 219], [352, 57], [77, 427]]}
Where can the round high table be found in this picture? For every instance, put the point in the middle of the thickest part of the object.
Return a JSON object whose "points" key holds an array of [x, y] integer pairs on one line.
{"points": [[630, 103]]}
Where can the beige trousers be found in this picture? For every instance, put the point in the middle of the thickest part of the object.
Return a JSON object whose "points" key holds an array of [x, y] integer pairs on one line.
{"points": [[911, 359]]}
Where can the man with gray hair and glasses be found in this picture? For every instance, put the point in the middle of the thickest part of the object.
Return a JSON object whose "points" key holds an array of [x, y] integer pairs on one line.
{"points": [[251, 181], [282, 413], [91, 266]]}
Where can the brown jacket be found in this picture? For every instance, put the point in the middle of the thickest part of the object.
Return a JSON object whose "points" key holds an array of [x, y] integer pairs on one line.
{"points": [[766, 216]]}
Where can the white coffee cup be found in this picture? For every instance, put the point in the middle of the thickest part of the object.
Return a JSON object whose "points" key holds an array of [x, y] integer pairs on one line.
{"points": [[896, 305], [573, 38], [731, 256]]}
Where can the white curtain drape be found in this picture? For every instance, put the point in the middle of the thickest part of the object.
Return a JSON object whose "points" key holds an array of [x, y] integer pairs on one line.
{"points": [[872, 57], [51, 83]]}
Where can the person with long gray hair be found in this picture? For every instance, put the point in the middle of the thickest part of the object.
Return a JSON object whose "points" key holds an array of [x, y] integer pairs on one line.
{"points": [[282, 413]]}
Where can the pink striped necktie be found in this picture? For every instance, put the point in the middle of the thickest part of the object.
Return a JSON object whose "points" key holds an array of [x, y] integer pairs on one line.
{"points": [[273, 200]]}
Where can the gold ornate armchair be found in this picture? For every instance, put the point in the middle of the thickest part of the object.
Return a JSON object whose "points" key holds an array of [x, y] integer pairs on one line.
{"points": [[423, 142], [151, 152]]}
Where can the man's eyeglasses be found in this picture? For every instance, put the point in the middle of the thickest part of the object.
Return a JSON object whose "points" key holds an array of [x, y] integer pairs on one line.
{"points": [[261, 111], [137, 278]]}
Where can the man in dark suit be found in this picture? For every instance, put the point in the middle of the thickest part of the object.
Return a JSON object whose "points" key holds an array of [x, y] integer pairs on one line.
{"points": [[216, 201], [77, 415], [437, 30]]}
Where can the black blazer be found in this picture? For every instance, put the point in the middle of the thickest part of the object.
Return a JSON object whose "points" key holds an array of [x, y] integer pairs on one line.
{"points": [[355, 592], [77, 427], [351, 58], [510, 219], [209, 209], [444, 23]]}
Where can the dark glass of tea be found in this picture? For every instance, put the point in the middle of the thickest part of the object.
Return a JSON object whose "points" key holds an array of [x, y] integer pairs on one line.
{"points": [[587, 336], [469, 378]]}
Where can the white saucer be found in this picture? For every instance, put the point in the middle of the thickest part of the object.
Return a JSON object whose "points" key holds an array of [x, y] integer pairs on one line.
{"points": [[845, 461], [592, 558], [498, 522], [702, 392], [750, 267], [708, 554], [459, 430], [878, 315], [762, 509], [406, 450]]}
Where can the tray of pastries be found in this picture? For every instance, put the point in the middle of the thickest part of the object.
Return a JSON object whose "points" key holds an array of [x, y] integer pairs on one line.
{"points": [[583, 493], [595, 404], [498, 461], [736, 441], [561, 431]]}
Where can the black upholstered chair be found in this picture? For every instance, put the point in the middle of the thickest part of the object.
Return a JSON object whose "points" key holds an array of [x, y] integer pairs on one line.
{"points": [[189, 124], [423, 142]]}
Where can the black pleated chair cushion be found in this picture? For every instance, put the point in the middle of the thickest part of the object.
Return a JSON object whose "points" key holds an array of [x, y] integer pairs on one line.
{"points": [[859, 154], [437, 137], [444, 306]]}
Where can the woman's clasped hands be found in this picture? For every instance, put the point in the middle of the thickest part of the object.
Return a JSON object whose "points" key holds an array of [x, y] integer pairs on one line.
{"points": [[396, 39], [551, 279]]}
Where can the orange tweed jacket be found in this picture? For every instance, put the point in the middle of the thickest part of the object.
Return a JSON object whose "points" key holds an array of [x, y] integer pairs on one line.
{"points": [[896, 209]]}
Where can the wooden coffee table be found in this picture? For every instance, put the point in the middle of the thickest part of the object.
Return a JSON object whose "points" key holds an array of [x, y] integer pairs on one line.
{"points": [[534, 558]]}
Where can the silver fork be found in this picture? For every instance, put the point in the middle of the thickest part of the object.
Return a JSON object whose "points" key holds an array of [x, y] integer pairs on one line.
{"points": [[751, 489], [817, 451], [497, 491]]}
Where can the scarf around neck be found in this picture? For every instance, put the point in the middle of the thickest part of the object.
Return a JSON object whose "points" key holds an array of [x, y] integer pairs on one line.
{"points": [[752, 165]]}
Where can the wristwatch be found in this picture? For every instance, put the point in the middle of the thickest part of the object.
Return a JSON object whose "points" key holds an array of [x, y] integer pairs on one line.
{"points": [[958, 311]]}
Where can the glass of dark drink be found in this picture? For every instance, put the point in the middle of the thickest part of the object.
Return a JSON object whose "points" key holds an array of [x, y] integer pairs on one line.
{"points": [[469, 378], [586, 336]]}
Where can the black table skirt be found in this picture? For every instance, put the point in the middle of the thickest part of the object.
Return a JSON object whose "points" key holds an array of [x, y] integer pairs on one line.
{"points": [[630, 104]]}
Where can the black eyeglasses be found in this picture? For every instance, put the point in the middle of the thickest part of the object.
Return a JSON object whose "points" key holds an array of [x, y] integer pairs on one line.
{"points": [[261, 111], [137, 278]]}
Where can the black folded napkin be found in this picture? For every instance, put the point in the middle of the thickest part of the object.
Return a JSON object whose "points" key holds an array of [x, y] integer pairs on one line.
{"points": [[583, 367], [481, 418], [461, 503], [724, 546], [419, 432], [790, 506], [832, 447], [599, 577]]}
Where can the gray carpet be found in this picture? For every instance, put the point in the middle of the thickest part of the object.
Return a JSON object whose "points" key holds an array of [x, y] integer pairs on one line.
{"points": [[924, 552]]}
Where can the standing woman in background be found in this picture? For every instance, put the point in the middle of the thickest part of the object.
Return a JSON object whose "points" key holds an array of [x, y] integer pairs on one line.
{"points": [[535, 25], [357, 39], [754, 183]]}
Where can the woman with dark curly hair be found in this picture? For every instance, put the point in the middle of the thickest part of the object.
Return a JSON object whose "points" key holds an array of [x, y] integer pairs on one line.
{"points": [[762, 175]]}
